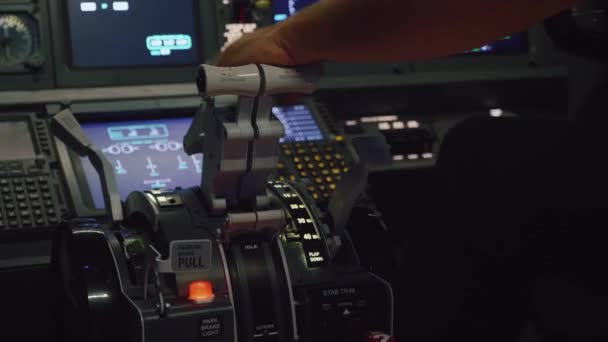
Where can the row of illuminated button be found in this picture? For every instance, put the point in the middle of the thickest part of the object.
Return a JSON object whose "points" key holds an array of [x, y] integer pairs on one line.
{"points": [[318, 187], [300, 149], [319, 166], [322, 187], [336, 172], [318, 158]]}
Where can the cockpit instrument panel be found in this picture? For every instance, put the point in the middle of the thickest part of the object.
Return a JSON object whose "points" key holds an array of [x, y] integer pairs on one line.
{"points": [[103, 34], [19, 43], [145, 154]]}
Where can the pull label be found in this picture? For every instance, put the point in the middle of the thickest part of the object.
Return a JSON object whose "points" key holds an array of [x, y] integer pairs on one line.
{"points": [[191, 255]]}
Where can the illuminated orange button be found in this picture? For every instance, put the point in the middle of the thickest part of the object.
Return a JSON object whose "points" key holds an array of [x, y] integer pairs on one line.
{"points": [[201, 292]]}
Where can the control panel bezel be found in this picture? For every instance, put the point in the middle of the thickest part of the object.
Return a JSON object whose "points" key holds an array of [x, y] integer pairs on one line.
{"points": [[68, 76], [40, 152], [33, 185], [31, 78]]}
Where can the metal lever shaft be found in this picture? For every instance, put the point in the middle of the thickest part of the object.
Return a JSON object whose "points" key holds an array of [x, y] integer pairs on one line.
{"points": [[67, 129]]}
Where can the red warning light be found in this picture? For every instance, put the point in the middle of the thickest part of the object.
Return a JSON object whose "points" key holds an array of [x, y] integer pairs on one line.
{"points": [[201, 292]]}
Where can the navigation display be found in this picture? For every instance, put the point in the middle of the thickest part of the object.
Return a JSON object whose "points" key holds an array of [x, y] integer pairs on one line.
{"points": [[299, 124], [132, 33], [16, 141], [146, 155]]}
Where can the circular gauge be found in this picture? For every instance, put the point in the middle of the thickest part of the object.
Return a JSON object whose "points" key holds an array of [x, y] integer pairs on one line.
{"points": [[16, 41]]}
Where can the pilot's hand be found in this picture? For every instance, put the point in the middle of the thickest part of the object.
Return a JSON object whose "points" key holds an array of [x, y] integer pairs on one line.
{"points": [[264, 46]]}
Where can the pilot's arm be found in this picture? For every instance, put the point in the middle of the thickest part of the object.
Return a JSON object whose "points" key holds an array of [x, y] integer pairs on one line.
{"points": [[387, 30]]}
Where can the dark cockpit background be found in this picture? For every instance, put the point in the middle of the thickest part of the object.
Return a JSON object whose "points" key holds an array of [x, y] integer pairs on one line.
{"points": [[126, 69]]}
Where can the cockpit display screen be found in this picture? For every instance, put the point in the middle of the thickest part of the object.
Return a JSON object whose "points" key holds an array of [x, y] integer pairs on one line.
{"points": [[299, 123], [146, 155], [132, 33], [16, 141]]}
